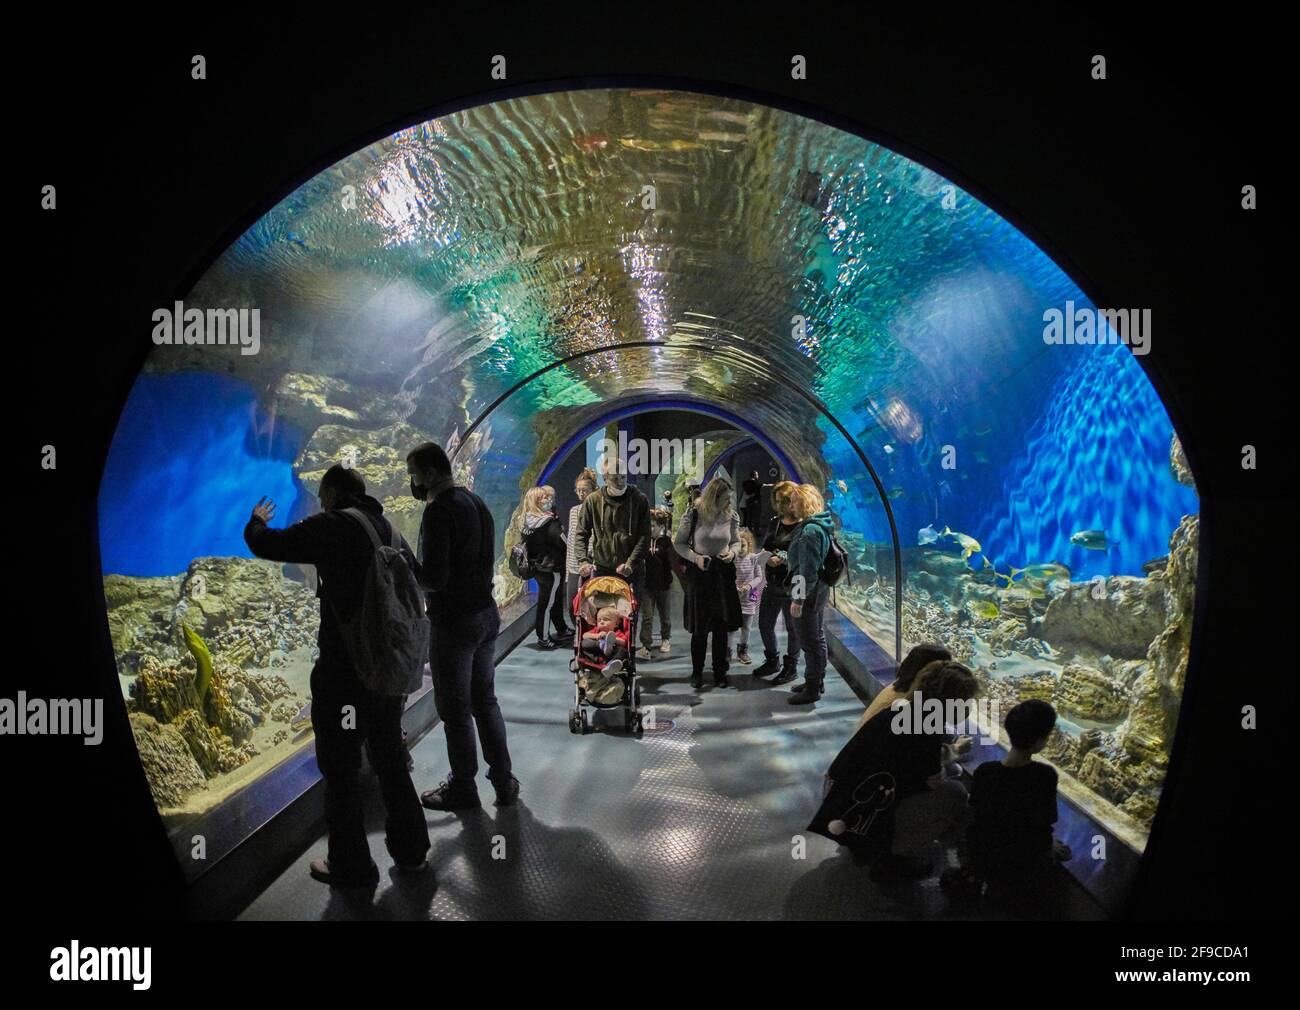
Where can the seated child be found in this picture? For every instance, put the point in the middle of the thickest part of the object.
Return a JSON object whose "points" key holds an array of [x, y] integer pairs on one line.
{"points": [[1012, 810], [606, 642]]}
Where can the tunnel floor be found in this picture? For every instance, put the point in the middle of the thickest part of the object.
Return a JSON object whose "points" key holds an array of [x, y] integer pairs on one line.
{"points": [[695, 820]]}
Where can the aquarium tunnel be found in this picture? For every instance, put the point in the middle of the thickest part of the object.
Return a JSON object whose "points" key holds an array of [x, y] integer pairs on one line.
{"points": [[519, 278]]}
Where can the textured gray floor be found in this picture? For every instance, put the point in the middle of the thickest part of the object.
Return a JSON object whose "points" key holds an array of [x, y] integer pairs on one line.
{"points": [[696, 820]]}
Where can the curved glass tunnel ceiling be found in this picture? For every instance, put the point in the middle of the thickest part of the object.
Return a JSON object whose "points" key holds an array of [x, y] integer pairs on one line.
{"points": [[406, 290]]}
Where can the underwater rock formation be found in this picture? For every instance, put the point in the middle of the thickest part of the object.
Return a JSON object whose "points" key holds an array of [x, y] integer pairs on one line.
{"points": [[1168, 652], [1123, 622], [140, 614], [1088, 694], [1178, 462], [242, 607], [308, 401], [169, 765]]}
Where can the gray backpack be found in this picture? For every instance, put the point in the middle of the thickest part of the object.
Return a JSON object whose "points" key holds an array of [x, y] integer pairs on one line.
{"points": [[388, 640]]}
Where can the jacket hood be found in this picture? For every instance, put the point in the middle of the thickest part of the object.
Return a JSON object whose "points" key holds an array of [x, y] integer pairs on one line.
{"points": [[532, 521], [824, 520]]}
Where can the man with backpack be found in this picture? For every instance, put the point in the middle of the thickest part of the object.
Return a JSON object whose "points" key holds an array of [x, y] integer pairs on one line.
{"points": [[347, 711], [457, 553], [811, 578]]}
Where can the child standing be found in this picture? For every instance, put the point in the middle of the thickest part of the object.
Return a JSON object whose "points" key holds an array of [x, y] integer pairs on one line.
{"points": [[750, 580], [658, 583]]}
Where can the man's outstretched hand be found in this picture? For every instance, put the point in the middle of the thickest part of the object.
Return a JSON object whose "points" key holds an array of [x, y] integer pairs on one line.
{"points": [[264, 510]]}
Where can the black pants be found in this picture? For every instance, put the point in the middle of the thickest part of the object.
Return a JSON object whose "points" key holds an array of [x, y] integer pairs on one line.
{"points": [[700, 648], [375, 720], [770, 605], [548, 594], [462, 657]]}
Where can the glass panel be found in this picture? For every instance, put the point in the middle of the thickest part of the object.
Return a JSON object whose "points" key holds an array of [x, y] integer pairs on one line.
{"points": [[704, 249]]}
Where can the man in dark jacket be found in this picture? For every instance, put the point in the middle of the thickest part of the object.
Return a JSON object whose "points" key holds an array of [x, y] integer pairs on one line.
{"points": [[344, 713], [457, 552], [619, 516]]}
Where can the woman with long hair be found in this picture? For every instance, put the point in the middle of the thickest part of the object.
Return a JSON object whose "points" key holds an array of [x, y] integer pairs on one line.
{"points": [[544, 542], [583, 485], [775, 600], [709, 539]]}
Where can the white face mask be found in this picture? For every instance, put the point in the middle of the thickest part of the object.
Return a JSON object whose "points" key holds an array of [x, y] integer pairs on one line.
{"points": [[617, 492]]}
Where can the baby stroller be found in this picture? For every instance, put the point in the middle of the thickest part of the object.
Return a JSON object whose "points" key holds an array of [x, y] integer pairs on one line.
{"points": [[592, 687]]}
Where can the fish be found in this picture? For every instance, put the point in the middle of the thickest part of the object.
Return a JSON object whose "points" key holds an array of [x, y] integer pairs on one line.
{"points": [[981, 456], [842, 486], [926, 535], [889, 448], [202, 658], [591, 142], [986, 609], [1036, 589], [896, 492], [981, 432], [1091, 540], [969, 545], [1043, 573]]}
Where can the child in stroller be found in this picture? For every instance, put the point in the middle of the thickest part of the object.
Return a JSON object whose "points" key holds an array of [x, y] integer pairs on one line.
{"points": [[603, 665], [606, 643]]}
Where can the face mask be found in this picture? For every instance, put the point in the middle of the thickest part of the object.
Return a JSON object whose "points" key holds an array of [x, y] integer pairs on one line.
{"points": [[419, 490], [615, 491], [548, 504]]}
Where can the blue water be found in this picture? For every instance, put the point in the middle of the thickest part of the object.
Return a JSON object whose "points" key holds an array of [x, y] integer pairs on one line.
{"points": [[192, 455], [1096, 458]]}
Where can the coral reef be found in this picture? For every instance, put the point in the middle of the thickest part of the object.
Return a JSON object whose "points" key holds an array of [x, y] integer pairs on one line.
{"points": [[243, 608], [169, 765]]}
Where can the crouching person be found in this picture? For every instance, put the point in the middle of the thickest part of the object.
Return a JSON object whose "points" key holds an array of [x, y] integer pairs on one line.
{"points": [[888, 799], [345, 714]]}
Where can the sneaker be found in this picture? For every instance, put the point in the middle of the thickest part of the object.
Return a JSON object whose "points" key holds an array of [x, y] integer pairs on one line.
{"points": [[743, 657], [545, 643], [770, 665], [609, 643], [613, 668], [643, 652], [720, 680], [320, 870], [665, 647], [508, 793], [449, 797]]}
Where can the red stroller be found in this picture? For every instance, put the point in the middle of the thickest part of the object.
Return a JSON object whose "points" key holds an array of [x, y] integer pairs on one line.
{"points": [[592, 687]]}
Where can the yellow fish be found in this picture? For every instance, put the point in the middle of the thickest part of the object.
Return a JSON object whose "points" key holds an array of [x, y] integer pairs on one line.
{"points": [[968, 545], [986, 609]]}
